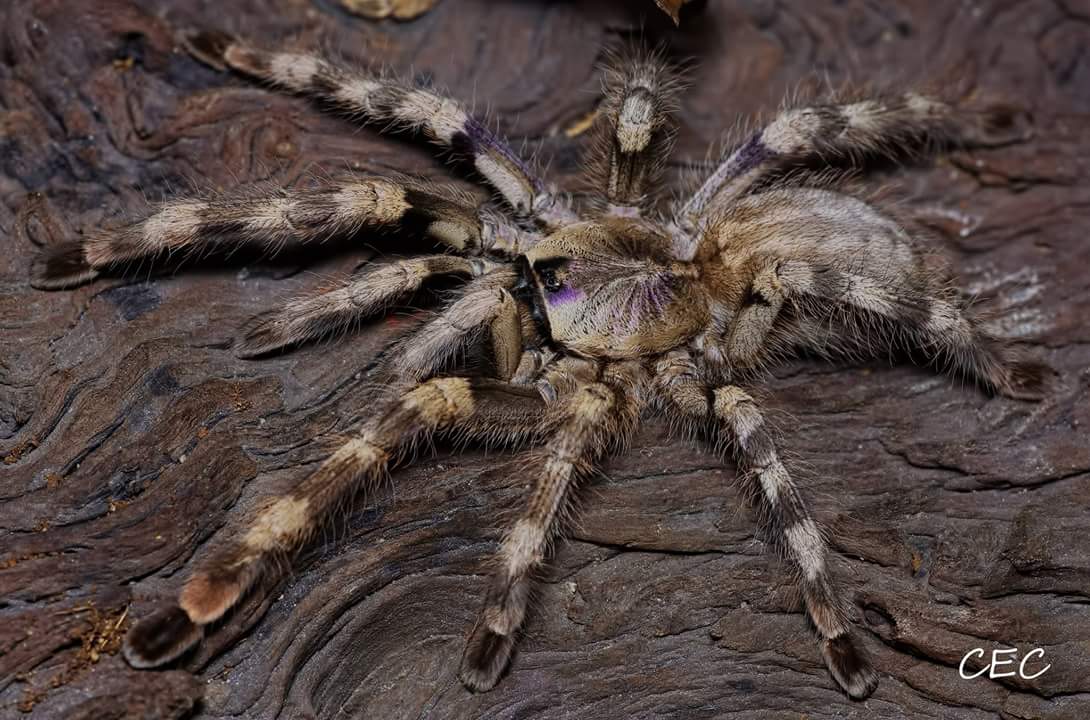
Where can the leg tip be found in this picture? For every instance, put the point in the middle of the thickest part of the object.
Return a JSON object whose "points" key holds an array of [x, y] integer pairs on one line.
{"points": [[206, 597], [486, 656], [850, 667], [1028, 380], [61, 266], [163, 636], [261, 336]]}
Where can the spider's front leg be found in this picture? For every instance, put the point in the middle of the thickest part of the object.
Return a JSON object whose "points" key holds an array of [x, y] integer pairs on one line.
{"points": [[303, 216], [382, 99], [482, 410], [734, 420], [597, 416]]}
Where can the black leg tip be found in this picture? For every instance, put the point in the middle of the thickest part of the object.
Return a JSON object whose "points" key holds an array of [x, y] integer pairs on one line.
{"points": [[1028, 380], [486, 656], [61, 266], [850, 667], [159, 638]]}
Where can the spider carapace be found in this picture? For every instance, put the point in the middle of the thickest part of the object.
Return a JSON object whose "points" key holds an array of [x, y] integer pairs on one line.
{"points": [[592, 315]]}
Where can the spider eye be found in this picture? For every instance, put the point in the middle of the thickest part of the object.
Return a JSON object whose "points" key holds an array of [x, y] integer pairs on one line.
{"points": [[550, 281]]}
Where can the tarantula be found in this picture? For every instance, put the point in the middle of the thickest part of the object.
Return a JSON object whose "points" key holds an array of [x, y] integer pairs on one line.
{"points": [[588, 320]]}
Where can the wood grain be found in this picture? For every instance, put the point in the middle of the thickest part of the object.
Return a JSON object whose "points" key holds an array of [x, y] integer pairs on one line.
{"points": [[132, 438]]}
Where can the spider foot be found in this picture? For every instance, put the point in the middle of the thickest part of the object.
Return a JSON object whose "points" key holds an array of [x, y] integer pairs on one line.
{"points": [[159, 638], [486, 656], [60, 266], [849, 666], [1028, 380], [264, 334]]}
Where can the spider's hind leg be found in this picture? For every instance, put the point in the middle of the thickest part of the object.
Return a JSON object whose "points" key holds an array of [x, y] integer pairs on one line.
{"points": [[734, 420]]}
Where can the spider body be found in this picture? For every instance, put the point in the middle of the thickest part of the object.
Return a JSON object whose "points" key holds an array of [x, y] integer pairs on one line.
{"points": [[590, 319]]}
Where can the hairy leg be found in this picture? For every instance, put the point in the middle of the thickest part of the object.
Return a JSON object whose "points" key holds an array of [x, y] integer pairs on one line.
{"points": [[735, 421], [596, 416], [335, 309], [287, 217], [635, 131], [381, 99], [850, 131], [928, 321], [485, 411]]}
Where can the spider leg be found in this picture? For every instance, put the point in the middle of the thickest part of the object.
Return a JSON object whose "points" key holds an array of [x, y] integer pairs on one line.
{"points": [[336, 308], [597, 415], [735, 420], [849, 131], [635, 130], [384, 100], [485, 411], [485, 308], [297, 217], [935, 324]]}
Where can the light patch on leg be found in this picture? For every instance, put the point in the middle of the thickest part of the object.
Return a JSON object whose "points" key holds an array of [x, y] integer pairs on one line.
{"points": [[808, 548], [174, 225], [358, 92], [635, 123], [731, 404], [362, 452], [292, 70], [284, 519], [273, 216], [922, 105], [442, 400], [866, 293], [523, 547], [792, 132], [510, 184], [453, 234], [945, 319], [774, 479], [372, 202], [864, 115]]}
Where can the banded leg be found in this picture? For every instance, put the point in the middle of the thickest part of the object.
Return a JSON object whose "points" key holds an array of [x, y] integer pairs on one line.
{"points": [[335, 309], [483, 410], [596, 415], [383, 100], [736, 422], [297, 217], [933, 323], [636, 132], [848, 131]]}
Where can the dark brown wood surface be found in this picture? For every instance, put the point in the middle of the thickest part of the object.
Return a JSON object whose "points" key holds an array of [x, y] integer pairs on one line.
{"points": [[132, 438]]}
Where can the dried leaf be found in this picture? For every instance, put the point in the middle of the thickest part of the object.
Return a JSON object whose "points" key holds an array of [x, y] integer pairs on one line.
{"points": [[381, 9]]}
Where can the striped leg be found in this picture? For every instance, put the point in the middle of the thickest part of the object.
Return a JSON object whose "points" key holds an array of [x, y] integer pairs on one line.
{"points": [[933, 324], [635, 130], [737, 422], [335, 309], [290, 217], [596, 415], [848, 131], [383, 100], [480, 410]]}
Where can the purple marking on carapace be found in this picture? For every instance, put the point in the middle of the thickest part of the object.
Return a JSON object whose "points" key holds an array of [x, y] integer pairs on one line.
{"points": [[565, 295]]}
